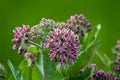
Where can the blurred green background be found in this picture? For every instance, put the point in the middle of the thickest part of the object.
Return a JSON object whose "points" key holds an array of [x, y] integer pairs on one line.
{"points": [[18, 12]]}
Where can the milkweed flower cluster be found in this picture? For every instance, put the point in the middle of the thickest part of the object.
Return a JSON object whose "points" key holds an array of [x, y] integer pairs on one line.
{"points": [[47, 23], [21, 38], [93, 66], [64, 45], [61, 38], [36, 32], [42, 29], [63, 41], [79, 24], [101, 75], [117, 47], [117, 63], [31, 56]]}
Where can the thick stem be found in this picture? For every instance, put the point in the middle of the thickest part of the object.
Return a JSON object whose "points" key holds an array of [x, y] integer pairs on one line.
{"points": [[33, 43]]}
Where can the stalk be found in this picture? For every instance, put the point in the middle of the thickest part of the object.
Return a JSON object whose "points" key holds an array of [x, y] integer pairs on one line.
{"points": [[33, 43]]}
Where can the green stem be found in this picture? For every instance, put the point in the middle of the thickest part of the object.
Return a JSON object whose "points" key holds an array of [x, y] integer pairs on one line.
{"points": [[33, 43]]}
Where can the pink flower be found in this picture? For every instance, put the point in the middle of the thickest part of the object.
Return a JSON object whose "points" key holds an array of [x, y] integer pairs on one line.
{"points": [[20, 38], [26, 28], [79, 24], [64, 45]]}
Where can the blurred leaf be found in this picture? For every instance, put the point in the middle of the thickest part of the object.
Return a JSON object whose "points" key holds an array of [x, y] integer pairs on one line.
{"points": [[40, 66], [58, 68], [16, 73], [85, 75], [50, 71], [26, 73], [104, 59], [115, 51], [37, 74], [46, 69], [11, 77], [23, 64], [19, 75], [33, 49], [3, 72], [45, 52]]}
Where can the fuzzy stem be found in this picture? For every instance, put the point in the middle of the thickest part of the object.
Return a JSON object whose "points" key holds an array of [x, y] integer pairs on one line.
{"points": [[33, 43]]}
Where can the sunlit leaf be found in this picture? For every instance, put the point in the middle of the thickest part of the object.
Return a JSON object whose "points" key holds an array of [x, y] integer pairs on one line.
{"points": [[33, 49]]}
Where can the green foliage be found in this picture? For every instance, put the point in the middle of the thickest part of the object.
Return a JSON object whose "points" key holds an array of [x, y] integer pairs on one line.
{"points": [[16, 73], [115, 51], [33, 49], [3, 72], [85, 75], [40, 67]]}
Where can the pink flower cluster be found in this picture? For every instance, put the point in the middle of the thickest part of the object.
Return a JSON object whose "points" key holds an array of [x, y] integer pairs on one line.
{"points": [[79, 24], [21, 37], [101, 75], [117, 47], [64, 45], [31, 56], [117, 63]]}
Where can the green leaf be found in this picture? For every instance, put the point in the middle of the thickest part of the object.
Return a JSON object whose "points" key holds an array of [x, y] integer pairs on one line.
{"points": [[33, 49], [35, 44], [115, 51], [16, 73], [85, 75], [91, 38], [40, 67], [58, 68], [11, 77], [104, 59], [46, 69], [50, 71], [37, 74], [19, 75], [26, 73], [23, 64]]}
